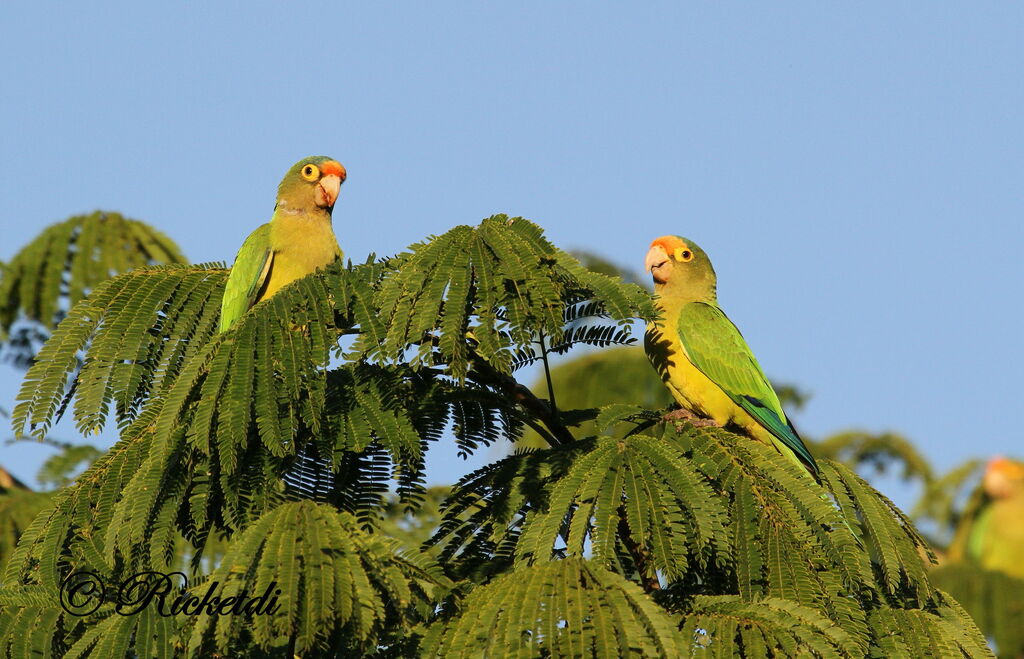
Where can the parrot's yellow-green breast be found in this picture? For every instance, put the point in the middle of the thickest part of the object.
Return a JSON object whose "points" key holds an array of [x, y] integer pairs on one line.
{"points": [[302, 246]]}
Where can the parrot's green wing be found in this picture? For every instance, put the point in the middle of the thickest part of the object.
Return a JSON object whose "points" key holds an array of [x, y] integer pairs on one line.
{"points": [[718, 350], [977, 537], [247, 276]]}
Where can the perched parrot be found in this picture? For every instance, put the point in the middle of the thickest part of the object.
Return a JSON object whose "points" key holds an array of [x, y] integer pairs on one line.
{"points": [[992, 533], [297, 241], [703, 359]]}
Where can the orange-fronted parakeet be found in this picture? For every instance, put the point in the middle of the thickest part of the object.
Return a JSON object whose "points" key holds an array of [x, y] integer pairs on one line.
{"points": [[298, 240], [992, 531], [703, 359]]}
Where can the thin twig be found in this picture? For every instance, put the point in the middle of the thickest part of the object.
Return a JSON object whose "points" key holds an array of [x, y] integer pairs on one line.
{"points": [[547, 375], [639, 555]]}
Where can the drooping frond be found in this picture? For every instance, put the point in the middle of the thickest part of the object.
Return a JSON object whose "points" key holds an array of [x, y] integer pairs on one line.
{"points": [[69, 259], [143, 633], [144, 331], [498, 284], [27, 628], [896, 546], [728, 625], [568, 608], [54, 544], [585, 323], [482, 517], [65, 538], [137, 332], [695, 511], [335, 586], [643, 484]]}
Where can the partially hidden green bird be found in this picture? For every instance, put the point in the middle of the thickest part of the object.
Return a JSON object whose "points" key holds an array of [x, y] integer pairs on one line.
{"points": [[298, 240], [703, 359], [991, 532]]}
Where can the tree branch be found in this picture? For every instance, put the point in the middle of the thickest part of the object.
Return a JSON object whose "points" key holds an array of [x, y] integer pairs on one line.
{"points": [[639, 554], [484, 373], [547, 375]]}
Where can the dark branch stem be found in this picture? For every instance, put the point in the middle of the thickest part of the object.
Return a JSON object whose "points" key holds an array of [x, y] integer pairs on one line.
{"points": [[547, 375], [640, 557], [484, 373], [540, 430]]}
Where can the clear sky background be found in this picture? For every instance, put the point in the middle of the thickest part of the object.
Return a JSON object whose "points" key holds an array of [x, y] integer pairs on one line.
{"points": [[854, 173]]}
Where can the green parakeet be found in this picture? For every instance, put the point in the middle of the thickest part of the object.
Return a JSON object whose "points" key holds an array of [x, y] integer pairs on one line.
{"points": [[703, 359], [992, 531], [297, 241]]}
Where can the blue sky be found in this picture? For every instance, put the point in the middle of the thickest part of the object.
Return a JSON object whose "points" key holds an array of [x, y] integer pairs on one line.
{"points": [[854, 175]]}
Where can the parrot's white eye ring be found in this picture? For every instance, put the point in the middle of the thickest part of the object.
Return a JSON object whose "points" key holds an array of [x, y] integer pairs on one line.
{"points": [[310, 172], [682, 254]]}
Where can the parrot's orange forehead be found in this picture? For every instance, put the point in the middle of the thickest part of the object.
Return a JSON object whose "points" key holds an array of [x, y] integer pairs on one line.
{"points": [[334, 167], [669, 243], [1006, 467]]}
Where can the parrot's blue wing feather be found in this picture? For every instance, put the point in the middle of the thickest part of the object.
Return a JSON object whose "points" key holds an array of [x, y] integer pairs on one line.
{"points": [[772, 423]]}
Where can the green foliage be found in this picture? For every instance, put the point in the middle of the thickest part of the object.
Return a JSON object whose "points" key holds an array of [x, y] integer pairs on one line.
{"points": [[569, 608], [413, 526], [18, 507], [339, 586], [264, 455], [61, 468], [60, 267], [503, 283], [995, 600], [694, 512], [645, 484], [763, 628], [943, 499]]}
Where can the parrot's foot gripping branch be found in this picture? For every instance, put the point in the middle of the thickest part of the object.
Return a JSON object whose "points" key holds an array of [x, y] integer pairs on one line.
{"points": [[683, 414]]}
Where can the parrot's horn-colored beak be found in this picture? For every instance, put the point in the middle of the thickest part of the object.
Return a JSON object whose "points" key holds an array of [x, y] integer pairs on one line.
{"points": [[655, 257], [327, 191]]}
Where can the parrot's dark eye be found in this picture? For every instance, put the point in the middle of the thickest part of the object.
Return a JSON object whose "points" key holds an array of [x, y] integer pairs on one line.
{"points": [[310, 172], [683, 254]]}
